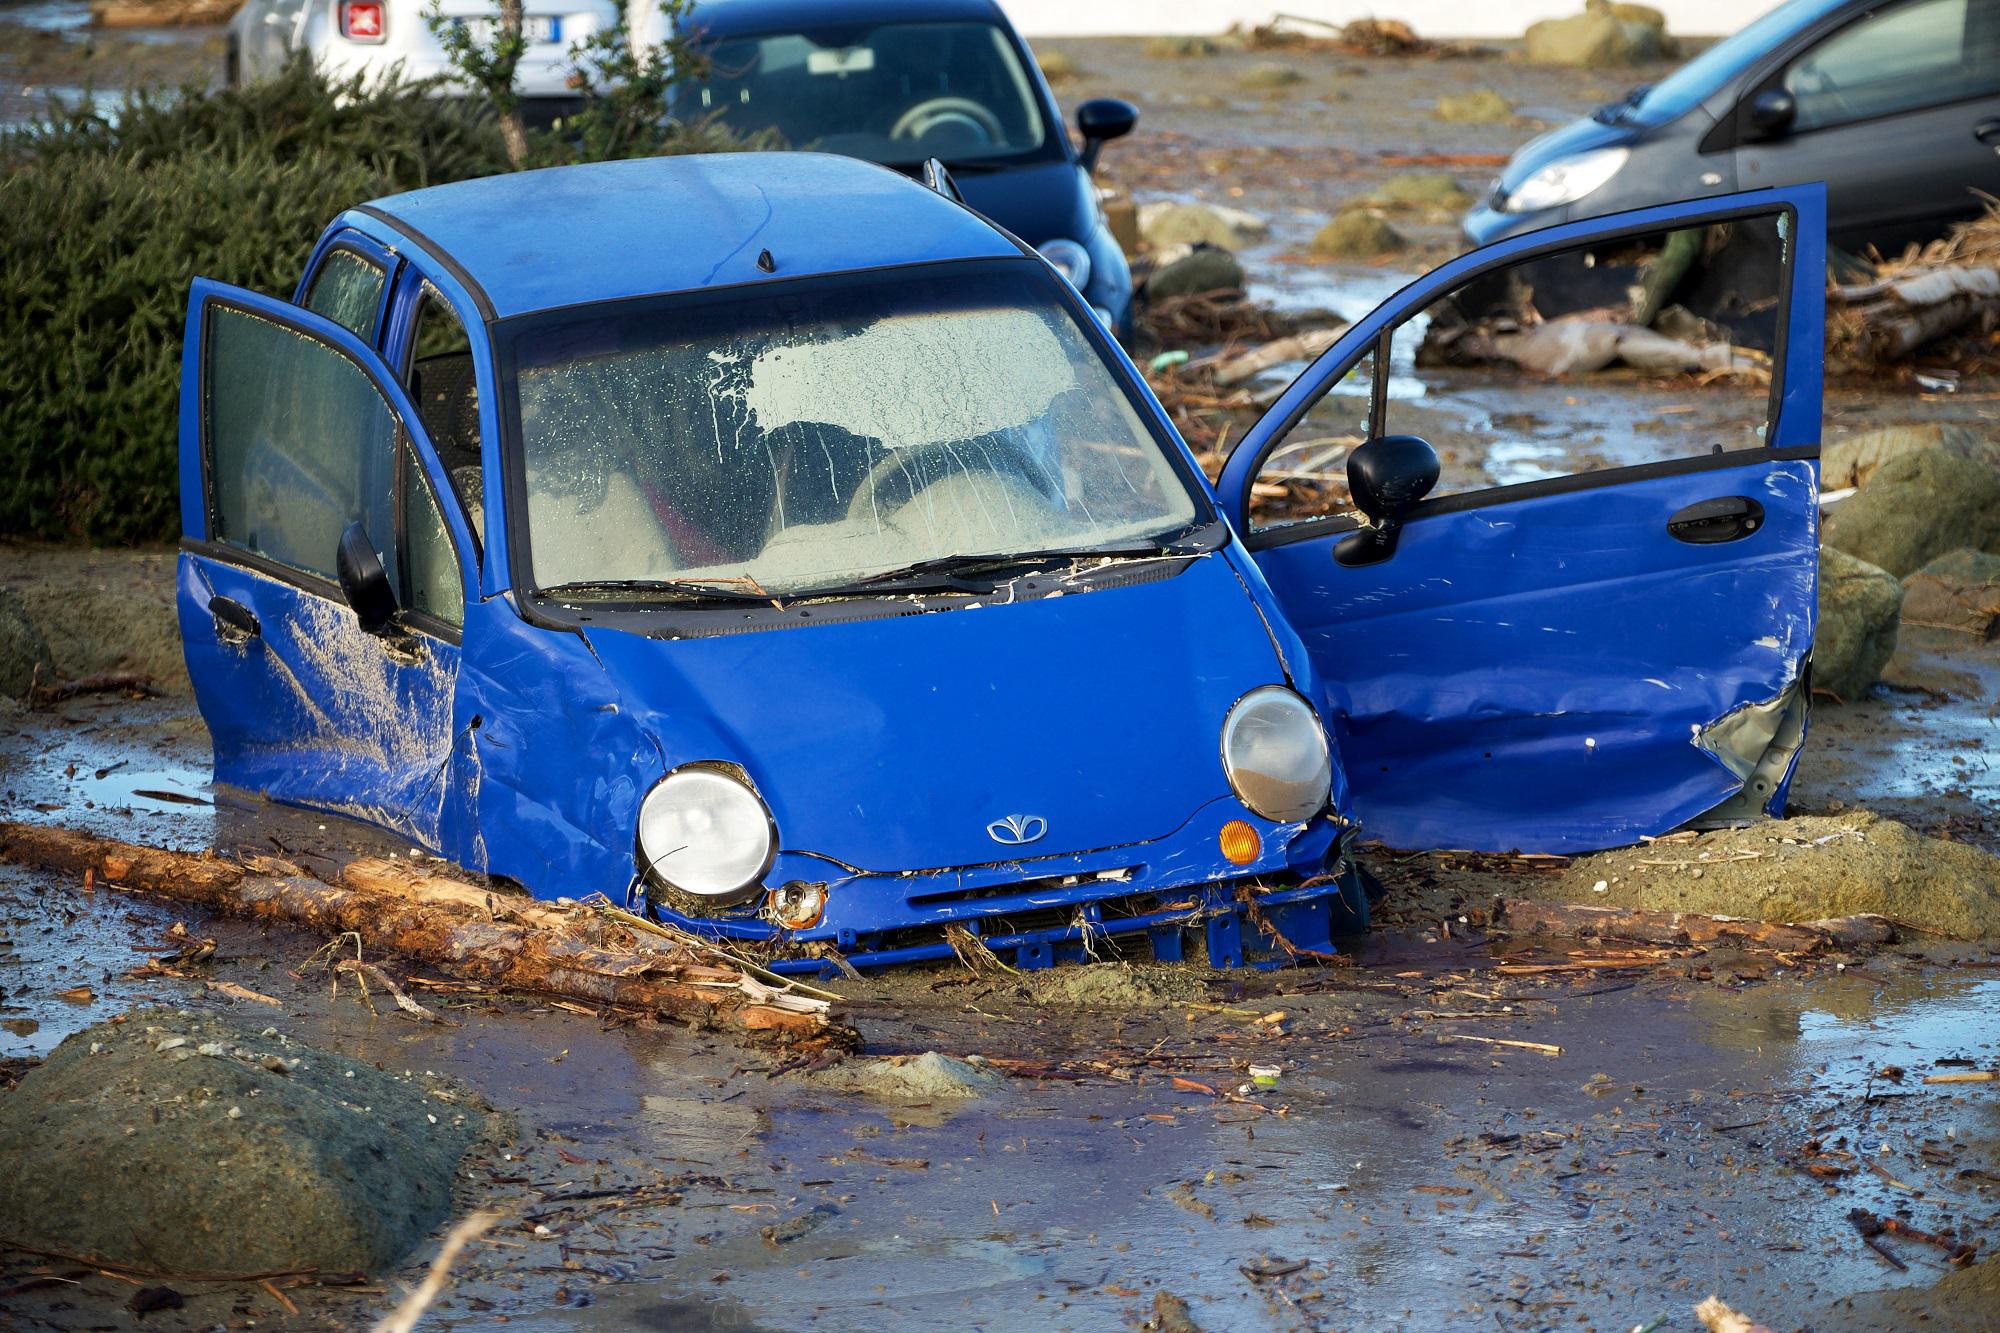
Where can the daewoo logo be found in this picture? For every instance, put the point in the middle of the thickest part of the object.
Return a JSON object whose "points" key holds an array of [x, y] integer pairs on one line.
{"points": [[1017, 829]]}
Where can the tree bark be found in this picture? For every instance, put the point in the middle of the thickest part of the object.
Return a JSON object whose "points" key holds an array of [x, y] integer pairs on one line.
{"points": [[468, 931], [513, 130]]}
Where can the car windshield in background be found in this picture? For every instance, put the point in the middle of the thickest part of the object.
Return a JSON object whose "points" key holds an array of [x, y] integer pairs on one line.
{"points": [[898, 93], [813, 434], [1694, 82]]}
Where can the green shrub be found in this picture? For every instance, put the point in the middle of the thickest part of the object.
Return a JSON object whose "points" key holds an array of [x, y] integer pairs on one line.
{"points": [[104, 221]]}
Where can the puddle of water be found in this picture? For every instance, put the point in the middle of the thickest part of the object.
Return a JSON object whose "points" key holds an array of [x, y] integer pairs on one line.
{"points": [[48, 15]]}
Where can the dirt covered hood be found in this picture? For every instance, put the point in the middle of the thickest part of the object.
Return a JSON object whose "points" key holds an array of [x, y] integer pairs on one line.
{"points": [[891, 744]]}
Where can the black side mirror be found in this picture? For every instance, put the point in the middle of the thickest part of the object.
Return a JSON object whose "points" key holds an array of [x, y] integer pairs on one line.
{"points": [[1101, 120], [1772, 111], [364, 580], [1387, 476]]}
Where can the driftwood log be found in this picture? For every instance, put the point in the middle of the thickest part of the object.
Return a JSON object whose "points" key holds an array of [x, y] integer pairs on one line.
{"points": [[499, 940], [1646, 926]]}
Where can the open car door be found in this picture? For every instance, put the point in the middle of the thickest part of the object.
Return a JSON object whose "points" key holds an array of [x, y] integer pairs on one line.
{"points": [[1578, 609]]}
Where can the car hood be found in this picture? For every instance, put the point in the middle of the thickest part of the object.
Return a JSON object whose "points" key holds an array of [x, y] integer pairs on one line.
{"points": [[1579, 136], [891, 744], [1038, 204]]}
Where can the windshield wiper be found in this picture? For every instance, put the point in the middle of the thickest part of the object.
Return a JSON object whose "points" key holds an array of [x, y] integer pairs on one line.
{"points": [[1613, 112], [1196, 539], [688, 590]]}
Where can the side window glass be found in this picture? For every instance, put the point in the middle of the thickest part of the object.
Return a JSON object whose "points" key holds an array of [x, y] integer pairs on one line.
{"points": [[301, 443], [347, 290], [1615, 354], [1900, 59], [1305, 477], [443, 386], [431, 583]]}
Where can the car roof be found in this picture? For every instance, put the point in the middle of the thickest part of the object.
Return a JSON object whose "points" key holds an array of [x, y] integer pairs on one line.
{"points": [[535, 240], [726, 17]]}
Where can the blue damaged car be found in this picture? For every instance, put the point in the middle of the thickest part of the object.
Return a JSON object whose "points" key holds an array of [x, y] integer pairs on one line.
{"points": [[771, 537]]}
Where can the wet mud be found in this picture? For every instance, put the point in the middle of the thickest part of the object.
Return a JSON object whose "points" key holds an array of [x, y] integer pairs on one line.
{"points": [[1705, 1125]]}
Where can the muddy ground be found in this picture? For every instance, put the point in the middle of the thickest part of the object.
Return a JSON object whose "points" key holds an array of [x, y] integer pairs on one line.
{"points": [[1706, 1127]]}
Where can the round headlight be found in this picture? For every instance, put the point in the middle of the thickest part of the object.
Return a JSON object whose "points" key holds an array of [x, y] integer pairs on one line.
{"points": [[1274, 750], [1071, 260], [706, 834]]}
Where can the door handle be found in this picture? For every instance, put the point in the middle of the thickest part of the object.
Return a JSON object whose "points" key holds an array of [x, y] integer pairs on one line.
{"points": [[1988, 133], [1726, 518], [235, 623]]}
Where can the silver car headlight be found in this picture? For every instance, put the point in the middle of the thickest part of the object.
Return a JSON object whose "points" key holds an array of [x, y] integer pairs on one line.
{"points": [[705, 833], [1071, 260], [1274, 751], [1566, 180]]}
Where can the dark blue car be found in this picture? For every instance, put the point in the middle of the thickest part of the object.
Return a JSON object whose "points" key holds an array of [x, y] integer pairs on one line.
{"points": [[901, 82], [793, 549]]}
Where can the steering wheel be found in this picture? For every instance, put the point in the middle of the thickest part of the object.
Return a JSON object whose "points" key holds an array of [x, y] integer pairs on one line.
{"points": [[941, 112], [915, 460]]}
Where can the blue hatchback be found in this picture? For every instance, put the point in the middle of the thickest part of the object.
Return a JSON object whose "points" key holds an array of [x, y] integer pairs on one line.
{"points": [[793, 548], [901, 82]]}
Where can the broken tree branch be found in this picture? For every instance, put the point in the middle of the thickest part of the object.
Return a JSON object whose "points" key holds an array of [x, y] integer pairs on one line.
{"points": [[1647, 926], [504, 942]]}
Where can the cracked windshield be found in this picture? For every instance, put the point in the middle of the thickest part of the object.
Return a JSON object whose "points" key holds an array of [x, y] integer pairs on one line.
{"points": [[824, 433]]}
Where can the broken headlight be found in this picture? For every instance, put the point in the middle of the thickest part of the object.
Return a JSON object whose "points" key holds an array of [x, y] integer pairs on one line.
{"points": [[703, 832], [1274, 751]]}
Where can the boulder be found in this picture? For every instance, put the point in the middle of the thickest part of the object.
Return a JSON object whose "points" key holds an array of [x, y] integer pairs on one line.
{"points": [[1435, 195], [24, 654], [1058, 66], [1601, 37], [1959, 591], [1481, 106], [183, 1142], [1269, 74], [1859, 607], [1204, 268], [1164, 224], [1851, 461], [1180, 48], [1358, 233], [1917, 504]]}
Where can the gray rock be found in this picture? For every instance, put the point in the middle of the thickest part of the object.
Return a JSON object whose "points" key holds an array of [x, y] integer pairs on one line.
{"points": [[1165, 224], [1358, 233], [1859, 607], [1852, 460], [1202, 269], [926, 1077], [1959, 591], [1603, 36], [123, 1146], [24, 653], [1917, 504]]}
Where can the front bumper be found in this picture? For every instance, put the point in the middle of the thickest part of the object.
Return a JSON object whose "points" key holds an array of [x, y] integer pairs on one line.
{"points": [[1037, 912]]}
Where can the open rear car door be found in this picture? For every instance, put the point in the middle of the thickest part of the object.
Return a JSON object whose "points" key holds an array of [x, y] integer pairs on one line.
{"points": [[1579, 607]]}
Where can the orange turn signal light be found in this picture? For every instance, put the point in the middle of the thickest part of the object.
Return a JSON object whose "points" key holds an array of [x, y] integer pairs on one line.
{"points": [[1240, 843]]}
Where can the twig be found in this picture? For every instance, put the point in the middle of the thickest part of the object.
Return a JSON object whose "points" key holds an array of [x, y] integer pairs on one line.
{"points": [[405, 1316], [1973, 1076], [370, 972], [109, 1266], [1541, 1047]]}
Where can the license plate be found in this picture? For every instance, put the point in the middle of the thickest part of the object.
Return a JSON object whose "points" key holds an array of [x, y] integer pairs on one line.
{"points": [[538, 29]]}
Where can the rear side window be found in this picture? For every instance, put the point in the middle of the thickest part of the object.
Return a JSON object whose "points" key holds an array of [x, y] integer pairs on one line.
{"points": [[301, 443], [348, 290], [1925, 53]]}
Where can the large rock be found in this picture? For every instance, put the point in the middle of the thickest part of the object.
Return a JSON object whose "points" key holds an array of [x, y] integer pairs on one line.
{"points": [[1605, 35], [182, 1142], [1917, 504], [1201, 269], [1481, 106], [1851, 461], [1358, 233], [1164, 224], [1959, 591], [1269, 76], [24, 653], [1859, 607]]}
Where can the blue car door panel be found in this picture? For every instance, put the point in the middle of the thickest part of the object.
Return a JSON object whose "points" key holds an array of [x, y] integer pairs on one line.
{"points": [[1579, 661], [292, 429]]}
